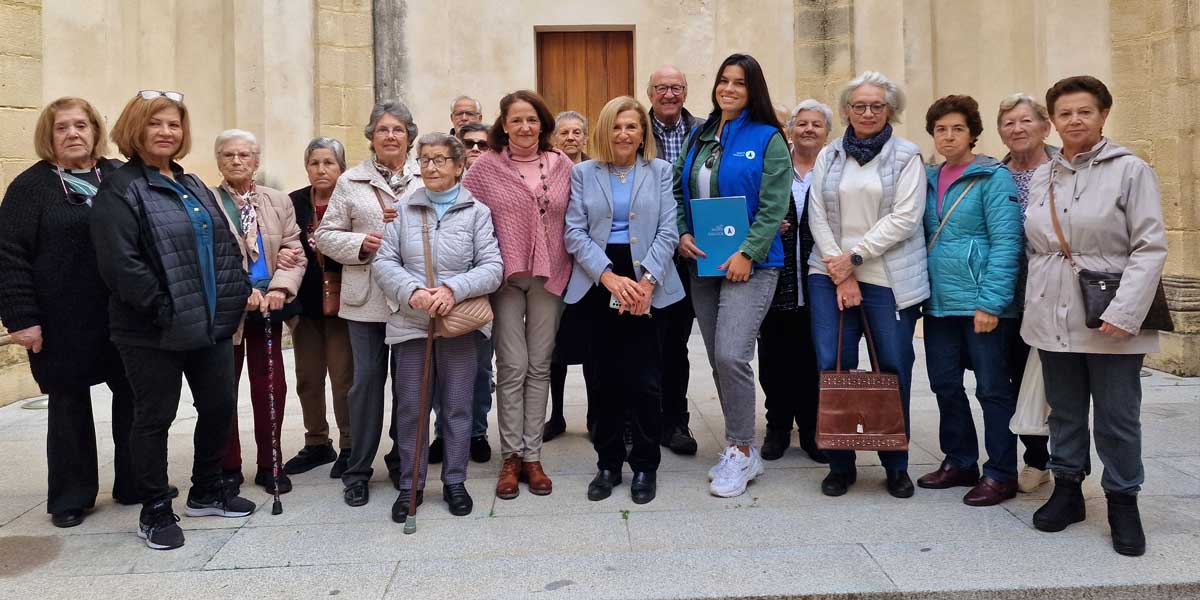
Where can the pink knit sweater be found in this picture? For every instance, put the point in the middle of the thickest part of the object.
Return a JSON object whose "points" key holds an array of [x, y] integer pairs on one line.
{"points": [[527, 246]]}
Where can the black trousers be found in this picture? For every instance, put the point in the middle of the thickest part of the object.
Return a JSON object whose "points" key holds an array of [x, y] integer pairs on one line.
{"points": [[71, 445], [157, 379], [625, 358], [1037, 447], [787, 371], [675, 330]]}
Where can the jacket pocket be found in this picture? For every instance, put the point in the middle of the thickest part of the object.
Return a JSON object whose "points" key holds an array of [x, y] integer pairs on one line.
{"points": [[973, 259], [356, 284]]}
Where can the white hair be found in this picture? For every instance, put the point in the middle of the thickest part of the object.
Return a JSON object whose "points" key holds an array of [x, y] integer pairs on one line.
{"points": [[235, 134], [570, 114], [815, 106], [893, 94], [478, 106]]}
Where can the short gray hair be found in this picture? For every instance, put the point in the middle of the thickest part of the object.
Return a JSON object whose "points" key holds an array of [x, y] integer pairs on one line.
{"points": [[570, 114], [893, 94], [230, 135], [397, 109], [478, 106], [327, 143], [816, 106], [458, 152], [462, 132], [1014, 100]]}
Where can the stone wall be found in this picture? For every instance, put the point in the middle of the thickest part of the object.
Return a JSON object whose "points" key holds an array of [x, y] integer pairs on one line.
{"points": [[1156, 83], [345, 72]]}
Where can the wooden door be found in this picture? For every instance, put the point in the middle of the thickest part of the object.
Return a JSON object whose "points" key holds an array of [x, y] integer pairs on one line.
{"points": [[583, 70]]}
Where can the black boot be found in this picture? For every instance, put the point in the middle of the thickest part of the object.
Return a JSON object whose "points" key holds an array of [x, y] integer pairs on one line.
{"points": [[1064, 507], [1126, 524], [775, 443]]}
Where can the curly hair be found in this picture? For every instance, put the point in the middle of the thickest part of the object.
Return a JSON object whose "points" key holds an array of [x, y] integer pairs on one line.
{"points": [[963, 105], [1079, 83]]}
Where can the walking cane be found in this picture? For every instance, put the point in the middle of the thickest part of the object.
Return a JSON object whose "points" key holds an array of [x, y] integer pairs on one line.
{"points": [[277, 506], [410, 522]]}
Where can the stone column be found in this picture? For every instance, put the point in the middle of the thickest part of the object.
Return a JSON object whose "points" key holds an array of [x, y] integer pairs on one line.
{"points": [[391, 52], [1155, 84], [824, 48], [345, 72]]}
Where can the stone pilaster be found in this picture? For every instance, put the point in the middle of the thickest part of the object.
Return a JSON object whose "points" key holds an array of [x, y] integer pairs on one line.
{"points": [[824, 48], [1156, 80], [345, 72]]}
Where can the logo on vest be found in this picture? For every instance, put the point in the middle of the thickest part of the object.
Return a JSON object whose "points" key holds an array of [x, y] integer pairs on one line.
{"points": [[748, 154]]}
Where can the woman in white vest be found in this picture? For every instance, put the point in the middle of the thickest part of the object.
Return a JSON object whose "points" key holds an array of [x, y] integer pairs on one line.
{"points": [[866, 202]]}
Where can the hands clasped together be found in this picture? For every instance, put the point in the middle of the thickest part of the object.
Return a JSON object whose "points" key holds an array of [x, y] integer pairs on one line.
{"points": [[634, 296]]}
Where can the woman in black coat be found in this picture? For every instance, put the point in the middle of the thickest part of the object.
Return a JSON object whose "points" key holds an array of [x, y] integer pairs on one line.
{"points": [[54, 303]]}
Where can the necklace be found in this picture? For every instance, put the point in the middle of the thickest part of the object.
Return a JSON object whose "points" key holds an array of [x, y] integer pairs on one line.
{"points": [[543, 201], [621, 173]]}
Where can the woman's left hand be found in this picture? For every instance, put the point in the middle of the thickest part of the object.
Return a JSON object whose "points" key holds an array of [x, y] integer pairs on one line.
{"points": [[984, 322], [642, 305], [1109, 329], [273, 301], [288, 258], [839, 267], [737, 267], [442, 301]]}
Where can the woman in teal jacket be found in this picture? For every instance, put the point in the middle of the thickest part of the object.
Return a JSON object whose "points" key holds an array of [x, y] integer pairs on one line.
{"points": [[974, 236]]}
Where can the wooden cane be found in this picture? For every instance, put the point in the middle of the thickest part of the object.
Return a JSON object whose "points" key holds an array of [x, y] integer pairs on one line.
{"points": [[410, 522]]}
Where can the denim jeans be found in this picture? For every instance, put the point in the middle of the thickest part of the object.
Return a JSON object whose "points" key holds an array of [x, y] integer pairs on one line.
{"points": [[729, 315], [949, 343], [893, 331]]}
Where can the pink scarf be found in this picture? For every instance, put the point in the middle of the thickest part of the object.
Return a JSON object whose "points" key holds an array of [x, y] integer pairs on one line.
{"points": [[530, 243]]}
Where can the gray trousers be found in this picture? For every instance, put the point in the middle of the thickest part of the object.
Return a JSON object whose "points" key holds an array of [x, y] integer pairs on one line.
{"points": [[451, 391], [1112, 383], [366, 401], [483, 391], [729, 315], [523, 332]]}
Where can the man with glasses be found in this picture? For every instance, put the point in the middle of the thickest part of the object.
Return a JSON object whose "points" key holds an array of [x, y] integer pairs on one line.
{"points": [[671, 123], [464, 110], [474, 138]]}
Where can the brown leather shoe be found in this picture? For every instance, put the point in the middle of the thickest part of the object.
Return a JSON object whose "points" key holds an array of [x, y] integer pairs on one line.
{"points": [[539, 483], [948, 477], [506, 485], [989, 492]]}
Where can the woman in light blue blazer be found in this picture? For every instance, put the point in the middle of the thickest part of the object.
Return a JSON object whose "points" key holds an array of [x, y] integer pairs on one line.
{"points": [[622, 232]]}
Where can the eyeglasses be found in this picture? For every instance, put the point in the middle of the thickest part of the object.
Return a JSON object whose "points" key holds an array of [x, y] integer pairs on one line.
{"points": [[75, 198], [242, 156], [436, 161], [674, 89], [465, 113], [394, 131], [152, 94], [862, 108], [469, 144], [713, 158]]}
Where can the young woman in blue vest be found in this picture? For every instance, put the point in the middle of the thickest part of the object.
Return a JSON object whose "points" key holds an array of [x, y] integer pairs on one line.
{"points": [[739, 151], [974, 233], [866, 201]]}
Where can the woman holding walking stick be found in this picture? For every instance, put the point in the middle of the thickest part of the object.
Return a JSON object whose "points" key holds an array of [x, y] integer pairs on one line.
{"points": [[439, 251]]}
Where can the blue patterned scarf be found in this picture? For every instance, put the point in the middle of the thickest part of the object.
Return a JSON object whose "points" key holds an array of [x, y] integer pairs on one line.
{"points": [[864, 151]]}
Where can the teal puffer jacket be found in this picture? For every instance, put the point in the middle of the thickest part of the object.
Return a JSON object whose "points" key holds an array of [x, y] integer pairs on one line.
{"points": [[973, 264]]}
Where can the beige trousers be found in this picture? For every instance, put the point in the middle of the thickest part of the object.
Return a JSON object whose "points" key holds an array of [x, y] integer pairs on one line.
{"points": [[526, 322], [322, 347]]}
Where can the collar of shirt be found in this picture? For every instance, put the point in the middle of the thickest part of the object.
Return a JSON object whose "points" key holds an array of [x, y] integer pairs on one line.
{"points": [[662, 127]]}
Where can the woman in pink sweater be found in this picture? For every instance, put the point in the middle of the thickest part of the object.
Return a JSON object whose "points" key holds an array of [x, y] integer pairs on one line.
{"points": [[526, 184]]}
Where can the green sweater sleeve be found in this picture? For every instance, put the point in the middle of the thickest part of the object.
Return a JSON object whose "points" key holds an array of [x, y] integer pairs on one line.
{"points": [[774, 193], [677, 186]]}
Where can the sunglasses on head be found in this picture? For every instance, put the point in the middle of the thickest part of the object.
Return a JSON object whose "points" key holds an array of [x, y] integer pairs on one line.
{"points": [[152, 94], [469, 144]]}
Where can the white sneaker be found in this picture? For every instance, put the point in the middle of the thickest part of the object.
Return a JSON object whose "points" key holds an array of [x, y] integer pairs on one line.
{"points": [[1031, 478], [734, 471]]}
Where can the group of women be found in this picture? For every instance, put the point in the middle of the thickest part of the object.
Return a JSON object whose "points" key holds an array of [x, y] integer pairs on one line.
{"points": [[372, 265]]}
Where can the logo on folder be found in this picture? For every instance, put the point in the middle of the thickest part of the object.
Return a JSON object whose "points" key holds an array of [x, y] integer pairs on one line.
{"points": [[729, 231]]}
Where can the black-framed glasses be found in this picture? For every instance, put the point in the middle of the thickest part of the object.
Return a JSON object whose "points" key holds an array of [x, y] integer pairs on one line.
{"points": [[436, 161], [466, 113], [469, 144], [152, 94], [75, 198], [674, 89], [861, 108]]}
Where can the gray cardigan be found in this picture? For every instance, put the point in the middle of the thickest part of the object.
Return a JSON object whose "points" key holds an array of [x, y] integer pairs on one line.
{"points": [[465, 254]]}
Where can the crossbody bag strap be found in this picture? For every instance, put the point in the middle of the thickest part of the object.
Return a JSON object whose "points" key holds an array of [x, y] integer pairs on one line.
{"points": [[428, 254], [230, 208], [946, 217], [1062, 239]]}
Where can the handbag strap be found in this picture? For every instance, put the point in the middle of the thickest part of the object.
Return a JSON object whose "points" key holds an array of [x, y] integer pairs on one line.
{"points": [[946, 218], [428, 254], [1062, 239], [870, 340]]}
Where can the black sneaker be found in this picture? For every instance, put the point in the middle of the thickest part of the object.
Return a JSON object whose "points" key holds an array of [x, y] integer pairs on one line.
{"points": [[159, 527], [340, 465], [679, 440], [437, 451], [264, 478], [222, 502], [309, 458], [481, 450]]}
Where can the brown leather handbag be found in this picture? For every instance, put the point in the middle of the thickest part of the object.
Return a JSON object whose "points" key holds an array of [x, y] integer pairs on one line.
{"points": [[466, 316], [860, 410], [331, 282]]}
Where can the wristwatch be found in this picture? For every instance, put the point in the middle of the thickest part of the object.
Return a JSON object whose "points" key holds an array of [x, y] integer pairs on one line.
{"points": [[648, 277], [856, 260]]}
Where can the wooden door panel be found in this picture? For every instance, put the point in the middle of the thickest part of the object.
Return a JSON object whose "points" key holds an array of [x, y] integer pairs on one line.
{"points": [[583, 70]]}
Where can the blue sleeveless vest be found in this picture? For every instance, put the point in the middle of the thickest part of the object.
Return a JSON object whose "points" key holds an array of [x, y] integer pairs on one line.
{"points": [[743, 144]]}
